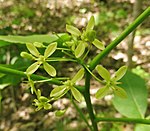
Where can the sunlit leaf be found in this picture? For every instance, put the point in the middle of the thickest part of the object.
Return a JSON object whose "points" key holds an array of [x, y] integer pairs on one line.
{"points": [[58, 92], [102, 92], [98, 44], [90, 24], [47, 106], [33, 50], [80, 49], [49, 69], [2, 86], [120, 73], [27, 55], [73, 30], [60, 113], [103, 72], [120, 92], [76, 94], [50, 49], [78, 76], [32, 68]]}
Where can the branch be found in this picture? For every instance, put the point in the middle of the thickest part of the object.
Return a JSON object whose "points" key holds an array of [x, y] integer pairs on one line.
{"points": [[127, 120], [114, 43]]}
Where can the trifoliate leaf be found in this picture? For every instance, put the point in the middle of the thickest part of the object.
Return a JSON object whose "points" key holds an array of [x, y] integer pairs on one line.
{"points": [[49, 69], [58, 92], [90, 24], [47, 106], [103, 72], [80, 49], [33, 50], [120, 92], [76, 94], [50, 49], [120, 73], [60, 113], [43, 99], [91, 35], [73, 30], [38, 44], [98, 44], [27, 55], [32, 68], [78, 76], [102, 92]]}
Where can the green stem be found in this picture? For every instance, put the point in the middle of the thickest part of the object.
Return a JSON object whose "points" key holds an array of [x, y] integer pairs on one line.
{"points": [[10, 71], [128, 120], [81, 114], [88, 101], [114, 43]]}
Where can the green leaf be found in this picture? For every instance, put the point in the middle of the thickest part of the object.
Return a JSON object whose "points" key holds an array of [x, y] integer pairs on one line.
{"points": [[3, 43], [120, 73], [32, 68], [142, 127], [102, 92], [47, 106], [27, 55], [76, 94], [135, 105], [103, 72], [73, 30], [49, 69], [90, 24], [45, 38], [2, 86], [58, 92], [120, 92], [38, 93], [50, 49], [33, 50], [60, 113], [98, 44], [78, 76], [80, 49]]}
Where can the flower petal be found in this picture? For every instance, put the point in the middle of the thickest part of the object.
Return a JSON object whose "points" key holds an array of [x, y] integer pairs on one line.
{"points": [[78, 76], [120, 92], [33, 50], [102, 92], [80, 49], [32, 68], [73, 30], [49, 69], [58, 92], [98, 44], [103, 72], [76, 94], [120, 73], [50, 49], [90, 24]]}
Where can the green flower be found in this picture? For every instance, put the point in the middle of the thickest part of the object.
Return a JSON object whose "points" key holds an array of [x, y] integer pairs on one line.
{"points": [[111, 82], [88, 35], [42, 102], [60, 91], [40, 59]]}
